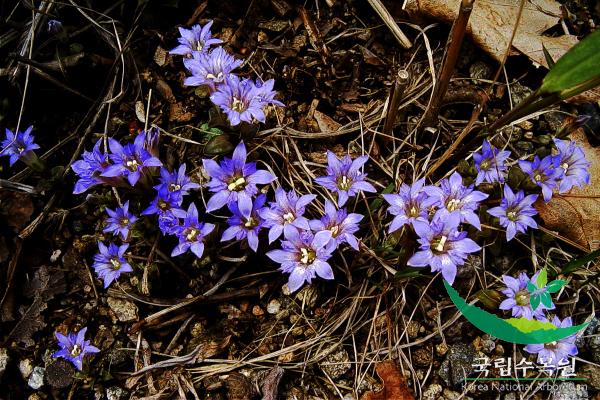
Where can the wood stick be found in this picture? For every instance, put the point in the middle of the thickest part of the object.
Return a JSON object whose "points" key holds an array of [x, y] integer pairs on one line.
{"points": [[389, 21]]}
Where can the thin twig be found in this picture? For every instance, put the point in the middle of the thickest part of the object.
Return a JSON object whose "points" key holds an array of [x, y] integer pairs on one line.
{"points": [[390, 23]]}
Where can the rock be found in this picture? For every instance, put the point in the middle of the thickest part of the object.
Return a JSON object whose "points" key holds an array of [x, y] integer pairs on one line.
{"points": [[4, 358], [519, 92], [441, 349], [591, 372], [115, 393], [36, 379], [337, 363], [273, 306], [510, 396], [487, 344], [480, 70], [452, 395], [571, 391], [432, 392], [458, 363], [308, 296], [257, 311], [59, 374], [422, 358], [26, 368], [412, 329], [125, 310]]}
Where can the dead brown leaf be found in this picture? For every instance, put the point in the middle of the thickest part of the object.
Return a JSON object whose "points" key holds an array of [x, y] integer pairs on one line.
{"points": [[576, 215], [394, 384], [325, 122], [17, 208], [492, 22]]}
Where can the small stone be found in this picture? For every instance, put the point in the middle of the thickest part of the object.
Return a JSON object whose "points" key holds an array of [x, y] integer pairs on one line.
{"points": [[458, 364], [160, 56], [273, 306], [26, 368], [308, 296], [422, 358], [282, 314], [525, 125], [257, 311], [452, 395], [115, 393], [571, 391], [34, 396], [591, 372], [59, 374], [510, 396], [36, 379], [432, 392], [336, 363], [4, 358], [197, 329], [487, 344], [412, 329], [441, 349], [480, 70], [125, 310]]}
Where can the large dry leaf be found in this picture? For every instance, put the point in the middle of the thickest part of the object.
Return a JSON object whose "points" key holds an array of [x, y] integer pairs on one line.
{"points": [[394, 383], [492, 22], [576, 215]]}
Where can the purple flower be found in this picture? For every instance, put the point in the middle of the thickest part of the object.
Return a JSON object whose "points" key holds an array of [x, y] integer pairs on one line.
{"points": [[198, 39], [245, 223], [18, 146], [54, 26], [152, 140], [490, 164], [304, 255], [558, 352], [515, 212], [176, 182], [130, 160], [517, 298], [341, 225], [234, 180], [165, 201], [120, 221], [168, 221], [443, 247], [345, 177], [543, 173], [238, 100], [74, 347], [109, 263], [455, 197], [411, 204], [266, 94], [210, 69], [191, 233], [286, 210], [89, 168], [572, 161]]}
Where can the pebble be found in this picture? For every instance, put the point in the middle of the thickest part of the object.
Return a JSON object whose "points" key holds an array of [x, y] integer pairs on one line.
{"points": [[59, 374], [432, 392], [26, 367], [273, 306], [441, 349], [412, 329], [257, 311], [115, 393], [3, 360], [592, 372], [36, 379], [452, 395], [336, 363], [125, 310], [422, 357], [458, 363], [570, 391]]}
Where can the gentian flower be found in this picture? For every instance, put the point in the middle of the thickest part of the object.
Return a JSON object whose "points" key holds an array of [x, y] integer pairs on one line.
{"points": [[455, 197], [165, 201], [238, 100], [54, 26], [168, 221], [210, 69], [191, 233], [342, 225], [245, 223], [518, 298], [198, 39], [571, 159], [120, 221], [152, 140], [558, 352], [109, 263], [304, 255], [130, 160], [543, 173], [74, 347], [411, 204], [490, 164], [443, 247], [286, 210], [515, 212], [234, 180], [266, 94], [176, 182], [345, 177], [19, 146], [89, 169]]}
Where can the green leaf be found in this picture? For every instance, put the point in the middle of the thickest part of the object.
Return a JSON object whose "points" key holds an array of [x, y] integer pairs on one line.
{"points": [[575, 71], [542, 278], [555, 285], [546, 299], [574, 265], [535, 301], [548, 57], [531, 287], [503, 330], [529, 325]]}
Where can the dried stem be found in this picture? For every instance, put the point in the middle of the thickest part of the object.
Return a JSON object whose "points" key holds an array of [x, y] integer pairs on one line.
{"points": [[454, 45], [389, 21], [396, 94]]}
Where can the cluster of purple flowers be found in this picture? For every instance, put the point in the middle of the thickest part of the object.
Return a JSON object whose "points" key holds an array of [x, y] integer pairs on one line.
{"points": [[518, 300], [240, 99], [19, 146]]}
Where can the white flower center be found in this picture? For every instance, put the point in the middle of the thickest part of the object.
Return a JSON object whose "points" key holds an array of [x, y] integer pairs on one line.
{"points": [[199, 45], [344, 183], [250, 223], [236, 185], [124, 221], [335, 230], [453, 205], [116, 264], [214, 77], [191, 234], [537, 177], [75, 351], [511, 215], [485, 165], [565, 166], [289, 217], [439, 245], [238, 105], [307, 256], [132, 165], [174, 187]]}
